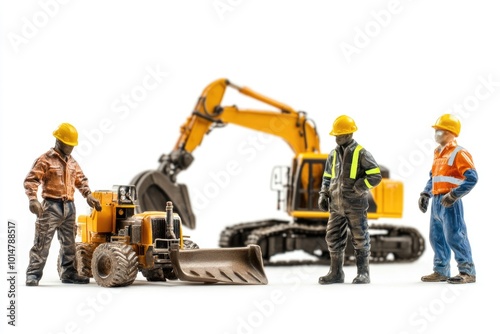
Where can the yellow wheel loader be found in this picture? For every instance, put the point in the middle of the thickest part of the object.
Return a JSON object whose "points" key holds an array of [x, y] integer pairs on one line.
{"points": [[117, 243], [298, 185]]}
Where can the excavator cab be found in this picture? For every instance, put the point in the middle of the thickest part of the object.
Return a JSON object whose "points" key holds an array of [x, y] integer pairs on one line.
{"points": [[305, 190], [302, 182], [298, 186]]}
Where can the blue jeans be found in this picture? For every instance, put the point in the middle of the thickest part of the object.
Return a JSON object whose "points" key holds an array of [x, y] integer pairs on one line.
{"points": [[449, 233]]}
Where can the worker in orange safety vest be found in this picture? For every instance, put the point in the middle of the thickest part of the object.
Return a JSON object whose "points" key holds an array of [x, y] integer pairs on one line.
{"points": [[453, 175]]}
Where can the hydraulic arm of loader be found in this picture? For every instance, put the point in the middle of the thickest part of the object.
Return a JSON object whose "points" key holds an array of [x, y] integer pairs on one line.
{"points": [[155, 187]]}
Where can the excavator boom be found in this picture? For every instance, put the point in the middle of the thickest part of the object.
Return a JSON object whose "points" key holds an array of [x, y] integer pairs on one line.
{"points": [[290, 125], [155, 187]]}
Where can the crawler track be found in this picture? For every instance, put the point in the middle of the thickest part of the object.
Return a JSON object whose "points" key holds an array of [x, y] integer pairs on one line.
{"points": [[389, 243]]}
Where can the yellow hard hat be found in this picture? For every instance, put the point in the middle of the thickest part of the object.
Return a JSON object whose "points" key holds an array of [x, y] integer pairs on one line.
{"points": [[67, 134], [448, 122], [343, 125]]}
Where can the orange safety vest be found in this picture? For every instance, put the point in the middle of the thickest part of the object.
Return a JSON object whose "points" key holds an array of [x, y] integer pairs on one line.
{"points": [[449, 167]]}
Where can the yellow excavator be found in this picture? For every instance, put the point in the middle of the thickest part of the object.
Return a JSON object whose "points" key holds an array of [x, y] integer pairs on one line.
{"points": [[297, 185]]}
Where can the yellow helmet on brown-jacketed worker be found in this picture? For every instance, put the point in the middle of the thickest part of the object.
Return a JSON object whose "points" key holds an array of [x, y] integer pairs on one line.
{"points": [[67, 134]]}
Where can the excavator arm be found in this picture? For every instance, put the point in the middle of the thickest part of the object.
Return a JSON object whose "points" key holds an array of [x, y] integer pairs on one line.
{"points": [[292, 126], [158, 186]]}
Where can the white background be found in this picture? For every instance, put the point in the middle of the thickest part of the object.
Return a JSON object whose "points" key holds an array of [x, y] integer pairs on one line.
{"points": [[395, 67]]}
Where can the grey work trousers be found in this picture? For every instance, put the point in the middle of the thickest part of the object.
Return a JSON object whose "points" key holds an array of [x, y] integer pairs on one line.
{"points": [[57, 216], [338, 227]]}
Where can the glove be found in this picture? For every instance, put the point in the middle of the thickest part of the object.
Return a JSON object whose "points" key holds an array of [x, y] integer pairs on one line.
{"points": [[323, 201], [423, 202], [448, 200], [94, 202], [36, 207]]}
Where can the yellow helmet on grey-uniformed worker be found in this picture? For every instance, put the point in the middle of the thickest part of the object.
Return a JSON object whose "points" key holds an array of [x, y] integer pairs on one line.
{"points": [[448, 122], [343, 125], [67, 134]]}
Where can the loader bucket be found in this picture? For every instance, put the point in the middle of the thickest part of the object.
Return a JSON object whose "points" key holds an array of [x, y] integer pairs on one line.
{"points": [[155, 189], [239, 265]]}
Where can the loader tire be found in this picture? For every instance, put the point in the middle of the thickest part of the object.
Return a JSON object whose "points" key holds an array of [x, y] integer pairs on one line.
{"points": [[114, 265], [83, 259]]}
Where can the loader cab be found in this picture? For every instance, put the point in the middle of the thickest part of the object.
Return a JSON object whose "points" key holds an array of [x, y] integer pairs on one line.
{"points": [[124, 197], [124, 194]]}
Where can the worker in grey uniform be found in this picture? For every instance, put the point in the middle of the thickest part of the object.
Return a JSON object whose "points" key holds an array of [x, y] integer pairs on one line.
{"points": [[350, 172]]}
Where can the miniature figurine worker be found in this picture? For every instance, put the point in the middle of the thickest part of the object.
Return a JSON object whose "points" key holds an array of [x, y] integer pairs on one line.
{"points": [[452, 176], [350, 172], [58, 174]]}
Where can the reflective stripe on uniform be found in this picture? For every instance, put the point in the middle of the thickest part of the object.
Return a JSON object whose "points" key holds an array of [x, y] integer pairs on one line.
{"points": [[334, 162], [448, 179], [373, 171], [354, 166], [354, 163], [453, 154], [332, 175]]}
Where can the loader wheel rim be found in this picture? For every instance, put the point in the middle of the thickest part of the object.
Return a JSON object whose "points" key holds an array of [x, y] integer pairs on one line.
{"points": [[104, 266]]}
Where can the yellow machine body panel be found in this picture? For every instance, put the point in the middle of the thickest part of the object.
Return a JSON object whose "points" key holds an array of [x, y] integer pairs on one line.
{"points": [[91, 228], [388, 196]]}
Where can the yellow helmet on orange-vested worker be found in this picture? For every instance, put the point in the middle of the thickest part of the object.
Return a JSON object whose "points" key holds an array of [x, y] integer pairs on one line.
{"points": [[448, 122], [67, 134], [343, 125]]}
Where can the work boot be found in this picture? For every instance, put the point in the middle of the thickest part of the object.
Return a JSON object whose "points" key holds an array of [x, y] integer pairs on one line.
{"points": [[363, 276], [74, 278], [462, 278], [336, 274], [32, 280], [434, 277]]}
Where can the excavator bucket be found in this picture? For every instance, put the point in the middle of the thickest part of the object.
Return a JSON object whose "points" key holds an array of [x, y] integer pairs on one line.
{"points": [[239, 265], [155, 188]]}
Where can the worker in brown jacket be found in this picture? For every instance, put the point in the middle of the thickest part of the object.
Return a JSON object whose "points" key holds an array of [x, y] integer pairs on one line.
{"points": [[58, 173]]}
